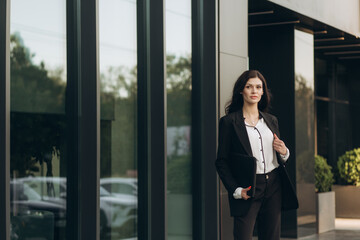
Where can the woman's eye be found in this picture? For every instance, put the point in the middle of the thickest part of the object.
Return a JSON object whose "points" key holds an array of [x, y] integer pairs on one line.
{"points": [[258, 87]]}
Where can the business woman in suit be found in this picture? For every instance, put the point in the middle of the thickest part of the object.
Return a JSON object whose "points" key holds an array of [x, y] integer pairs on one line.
{"points": [[251, 161]]}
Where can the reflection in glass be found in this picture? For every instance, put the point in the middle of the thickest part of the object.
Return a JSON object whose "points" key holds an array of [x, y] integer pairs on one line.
{"points": [[304, 130], [178, 82], [118, 119], [323, 77], [343, 140], [37, 119], [342, 82], [323, 128]]}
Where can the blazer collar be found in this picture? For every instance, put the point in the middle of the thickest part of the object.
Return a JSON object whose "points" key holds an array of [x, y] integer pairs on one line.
{"points": [[241, 132], [240, 129], [270, 123]]}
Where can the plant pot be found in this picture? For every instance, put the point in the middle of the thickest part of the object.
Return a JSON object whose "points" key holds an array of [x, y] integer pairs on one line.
{"points": [[325, 211], [347, 201]]}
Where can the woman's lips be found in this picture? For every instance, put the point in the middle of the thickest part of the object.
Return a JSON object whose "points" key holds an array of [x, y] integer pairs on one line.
{"points": [[253, 97]]}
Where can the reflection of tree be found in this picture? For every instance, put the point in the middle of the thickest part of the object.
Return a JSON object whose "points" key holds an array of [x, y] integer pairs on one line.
{"points": [[38, 114], [178, 81], [32, 90], [179, 115], [37, 101], [119, 111], [118, 121], [304, 115], [179, 174]]}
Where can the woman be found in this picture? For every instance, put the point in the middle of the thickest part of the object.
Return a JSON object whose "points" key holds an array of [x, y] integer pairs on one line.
{"points": [[251, 159]]}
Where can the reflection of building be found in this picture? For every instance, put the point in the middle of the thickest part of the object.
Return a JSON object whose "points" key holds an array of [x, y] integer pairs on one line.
{"points": [[110, 119]]}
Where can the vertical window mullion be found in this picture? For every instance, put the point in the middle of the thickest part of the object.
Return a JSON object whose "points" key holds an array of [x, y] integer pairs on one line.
{"points": [[5, 120], [89, 121], [204, 119], [152, 120], [83, 114]]}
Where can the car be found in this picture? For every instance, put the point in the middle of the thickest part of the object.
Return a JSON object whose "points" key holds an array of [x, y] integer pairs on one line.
{"points": [[34, 217], [123, 188], [118, 215]]}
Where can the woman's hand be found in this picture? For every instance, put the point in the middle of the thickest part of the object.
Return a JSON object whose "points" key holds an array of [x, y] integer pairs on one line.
{"points": [[244, 193], [279, 145]]}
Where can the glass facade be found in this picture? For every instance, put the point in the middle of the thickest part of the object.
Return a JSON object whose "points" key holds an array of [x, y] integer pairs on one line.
{"points": [[178, 97], [86, 103], [37, 119], [335, 134], [118, 119]]}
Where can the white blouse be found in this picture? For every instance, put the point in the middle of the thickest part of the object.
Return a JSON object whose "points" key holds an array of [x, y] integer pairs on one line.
{"points": [[261, 140]]}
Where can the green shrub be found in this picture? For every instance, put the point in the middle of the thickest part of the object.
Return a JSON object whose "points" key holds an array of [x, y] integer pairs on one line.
{"points": [[179, 174], [349, 167], [324, 178]]}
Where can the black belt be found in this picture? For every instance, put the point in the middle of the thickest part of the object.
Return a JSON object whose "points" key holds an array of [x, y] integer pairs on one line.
{"points": [[267, 175]]}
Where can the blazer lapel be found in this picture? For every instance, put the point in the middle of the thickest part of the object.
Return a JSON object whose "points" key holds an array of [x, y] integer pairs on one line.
{"points": [[275, 130], [270, 123], [241, 132]]}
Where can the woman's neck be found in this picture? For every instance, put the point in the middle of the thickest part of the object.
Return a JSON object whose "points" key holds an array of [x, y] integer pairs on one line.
{"points": [[250, 110]]}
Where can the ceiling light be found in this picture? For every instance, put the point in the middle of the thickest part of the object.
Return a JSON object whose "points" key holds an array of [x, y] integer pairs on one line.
{"points": [[320, 32], [329, 39], [337, 46], [260, 13], [341, 53], [274, 23]]}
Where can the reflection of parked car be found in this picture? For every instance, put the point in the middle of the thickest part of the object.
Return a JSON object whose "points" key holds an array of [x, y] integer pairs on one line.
{"points": [[124, 191], [51, 189], [31, 216], [124, 188], [117, 215]]}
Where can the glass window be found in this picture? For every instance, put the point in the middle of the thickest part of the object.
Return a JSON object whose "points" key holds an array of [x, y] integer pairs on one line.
{"points": [[304, 130], [322, 128], [342, 90], [178, 85], [118, 118], [323, 77], [37, 119], [343, 130]]}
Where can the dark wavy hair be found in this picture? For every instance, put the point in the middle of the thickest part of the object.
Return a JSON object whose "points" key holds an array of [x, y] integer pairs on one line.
{"points": [[236, 103]]}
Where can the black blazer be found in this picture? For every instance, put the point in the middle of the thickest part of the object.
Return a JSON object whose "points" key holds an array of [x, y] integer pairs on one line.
{"points": [[236, 165]]}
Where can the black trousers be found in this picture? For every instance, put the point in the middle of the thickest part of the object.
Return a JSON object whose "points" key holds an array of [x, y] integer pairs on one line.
{"points": [[265, 208]]}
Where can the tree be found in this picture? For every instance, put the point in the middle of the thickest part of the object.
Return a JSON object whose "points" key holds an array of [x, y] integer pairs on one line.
{"points": [[37, 118]]}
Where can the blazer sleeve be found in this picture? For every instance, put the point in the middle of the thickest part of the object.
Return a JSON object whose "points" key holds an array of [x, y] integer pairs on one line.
{"points": [[280, 159], [223, 155]]}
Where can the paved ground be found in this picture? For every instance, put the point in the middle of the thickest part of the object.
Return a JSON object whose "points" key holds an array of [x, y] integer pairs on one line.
{"points": [[345, 229]]}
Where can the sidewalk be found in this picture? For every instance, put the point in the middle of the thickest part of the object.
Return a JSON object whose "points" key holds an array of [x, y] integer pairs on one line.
{"points": [[345, 229]]}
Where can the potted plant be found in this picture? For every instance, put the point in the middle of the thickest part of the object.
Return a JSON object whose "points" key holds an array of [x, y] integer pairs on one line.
{"points": [[325, 203], [349, 167], [348, 196]]}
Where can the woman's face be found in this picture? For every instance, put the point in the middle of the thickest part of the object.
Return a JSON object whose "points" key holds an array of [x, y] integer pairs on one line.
{"points": [[252, 91]]}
